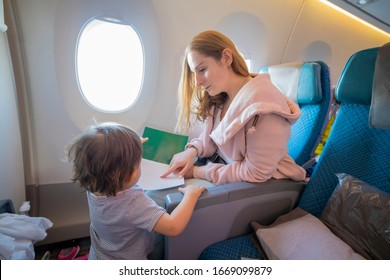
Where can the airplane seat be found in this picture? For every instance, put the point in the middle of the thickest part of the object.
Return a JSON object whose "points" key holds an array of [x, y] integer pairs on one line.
{"points": [[311, 91], [358, 146], [225, 211]]}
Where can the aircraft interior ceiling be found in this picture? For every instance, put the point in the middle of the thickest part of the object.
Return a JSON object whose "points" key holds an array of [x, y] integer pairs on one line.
{"points": [[42, 108]]}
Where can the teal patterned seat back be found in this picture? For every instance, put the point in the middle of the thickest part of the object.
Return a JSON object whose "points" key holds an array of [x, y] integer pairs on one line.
{"points": [[307, 131], [353, 147]]}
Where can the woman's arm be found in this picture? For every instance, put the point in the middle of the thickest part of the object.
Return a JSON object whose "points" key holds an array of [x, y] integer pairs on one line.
{"points": [[173, 224]]}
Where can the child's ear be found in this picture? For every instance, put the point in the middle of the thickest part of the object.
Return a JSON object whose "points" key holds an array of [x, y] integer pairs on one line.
{"points": [[133, 177], [129, 178]]}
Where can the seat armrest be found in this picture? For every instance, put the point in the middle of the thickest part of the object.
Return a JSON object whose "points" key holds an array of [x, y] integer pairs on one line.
{"points": [[212, 196], [233, 191], [225, 211]]}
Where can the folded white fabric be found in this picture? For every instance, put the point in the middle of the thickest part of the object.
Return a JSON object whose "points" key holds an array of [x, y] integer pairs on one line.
{"points": [[7, 247], [18, 233]]}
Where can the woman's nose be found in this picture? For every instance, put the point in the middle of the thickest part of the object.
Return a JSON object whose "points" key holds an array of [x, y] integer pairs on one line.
{"points": [[198, 80]]}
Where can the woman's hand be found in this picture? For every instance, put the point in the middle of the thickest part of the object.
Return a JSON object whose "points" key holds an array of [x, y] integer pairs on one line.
{"points": [[182, 163]]}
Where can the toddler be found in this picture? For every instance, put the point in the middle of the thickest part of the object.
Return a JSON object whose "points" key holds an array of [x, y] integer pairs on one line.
{"points": [[106, 161]]}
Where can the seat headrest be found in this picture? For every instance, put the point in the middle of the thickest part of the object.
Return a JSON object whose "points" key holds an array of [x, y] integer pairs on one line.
{"points": [[355, 83], [300, 81], [380, 102]]}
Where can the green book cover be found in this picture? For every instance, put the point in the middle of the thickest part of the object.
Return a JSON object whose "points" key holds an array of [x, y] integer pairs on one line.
{"points": [[162, 145]]}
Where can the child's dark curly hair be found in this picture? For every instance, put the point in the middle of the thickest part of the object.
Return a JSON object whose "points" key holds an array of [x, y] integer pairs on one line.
{"points": [[104, 157]]}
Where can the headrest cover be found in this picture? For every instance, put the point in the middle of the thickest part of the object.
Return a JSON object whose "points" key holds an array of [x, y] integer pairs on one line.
{"points": [[380, 102], [300, 81], [355, 82]]}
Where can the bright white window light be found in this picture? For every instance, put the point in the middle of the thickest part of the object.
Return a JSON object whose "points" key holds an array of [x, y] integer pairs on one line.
{"points": [[249, 64], [110, 64], [247, 58]]}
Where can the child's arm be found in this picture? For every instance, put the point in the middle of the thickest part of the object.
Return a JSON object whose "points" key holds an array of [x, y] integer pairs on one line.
{"points": [[173, 224]]}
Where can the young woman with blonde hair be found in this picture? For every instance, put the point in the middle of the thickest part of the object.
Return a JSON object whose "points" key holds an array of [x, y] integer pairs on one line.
{"points": [[246, 118]]}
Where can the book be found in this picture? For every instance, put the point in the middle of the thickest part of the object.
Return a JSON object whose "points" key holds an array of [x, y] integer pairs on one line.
{"points": [[162, 145], [150, 176], [157, 153]]}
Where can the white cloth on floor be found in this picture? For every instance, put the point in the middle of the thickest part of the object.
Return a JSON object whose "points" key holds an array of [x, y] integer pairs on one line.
{"points": [[18, 233]]}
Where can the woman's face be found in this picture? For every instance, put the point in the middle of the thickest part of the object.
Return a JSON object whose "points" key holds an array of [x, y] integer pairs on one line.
{"points": [[210, 74]]}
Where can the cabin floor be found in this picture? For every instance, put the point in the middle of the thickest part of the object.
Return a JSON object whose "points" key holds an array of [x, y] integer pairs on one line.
{"points": [[55, 248]]}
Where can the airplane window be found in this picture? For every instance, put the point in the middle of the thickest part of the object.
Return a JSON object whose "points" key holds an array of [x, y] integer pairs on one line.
{"points": [[110, 64]]}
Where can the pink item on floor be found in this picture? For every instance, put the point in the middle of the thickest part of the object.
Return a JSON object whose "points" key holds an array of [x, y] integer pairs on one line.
{"points": [[69, 253], [83, 257]]}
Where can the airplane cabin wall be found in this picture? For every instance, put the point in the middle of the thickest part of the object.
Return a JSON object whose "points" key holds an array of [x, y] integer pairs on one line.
{"points": [[11, 163], [268, 32]]}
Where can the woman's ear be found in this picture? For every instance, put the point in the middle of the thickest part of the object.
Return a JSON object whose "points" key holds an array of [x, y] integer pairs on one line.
{"points": [[227, 57]]}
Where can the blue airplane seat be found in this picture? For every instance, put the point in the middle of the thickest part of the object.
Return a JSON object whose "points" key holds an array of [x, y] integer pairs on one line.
{"points": [[358, 144], [313, 95]]}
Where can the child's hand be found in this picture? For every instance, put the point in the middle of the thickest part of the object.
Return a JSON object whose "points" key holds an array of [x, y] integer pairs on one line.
{"points": [[143, 140], [192, 190]]}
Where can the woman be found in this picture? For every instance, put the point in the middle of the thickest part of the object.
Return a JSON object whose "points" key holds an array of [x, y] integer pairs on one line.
{"points": [[247, 119]]}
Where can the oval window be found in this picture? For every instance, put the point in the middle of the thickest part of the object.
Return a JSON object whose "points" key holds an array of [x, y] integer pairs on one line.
{"points": [[110, 64]]}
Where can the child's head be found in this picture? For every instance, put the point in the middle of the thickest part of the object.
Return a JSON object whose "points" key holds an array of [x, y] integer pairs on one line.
{"points": [[104, 157]]}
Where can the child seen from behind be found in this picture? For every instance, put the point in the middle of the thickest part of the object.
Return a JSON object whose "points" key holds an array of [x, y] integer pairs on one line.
{"points": [[106, 161]]}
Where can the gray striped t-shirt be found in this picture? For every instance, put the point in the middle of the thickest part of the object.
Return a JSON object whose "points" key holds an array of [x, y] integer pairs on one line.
{"points": [[121, 225]]}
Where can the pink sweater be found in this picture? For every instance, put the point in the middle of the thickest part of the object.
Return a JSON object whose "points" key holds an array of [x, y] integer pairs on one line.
{"points": [[258, 151]]}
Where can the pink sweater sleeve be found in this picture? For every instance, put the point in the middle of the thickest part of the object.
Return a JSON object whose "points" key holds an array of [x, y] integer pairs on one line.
{"points": [[205, 146]]}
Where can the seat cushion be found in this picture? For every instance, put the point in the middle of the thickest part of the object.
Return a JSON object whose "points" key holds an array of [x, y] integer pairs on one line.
{"points": [[298, 235]]}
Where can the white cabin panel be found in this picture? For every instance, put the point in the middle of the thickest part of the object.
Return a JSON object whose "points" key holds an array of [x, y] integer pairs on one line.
{"points": [[11, 160]]}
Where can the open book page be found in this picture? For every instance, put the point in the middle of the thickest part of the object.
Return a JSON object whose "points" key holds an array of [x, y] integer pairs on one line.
{"points": [[150, 176]]}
